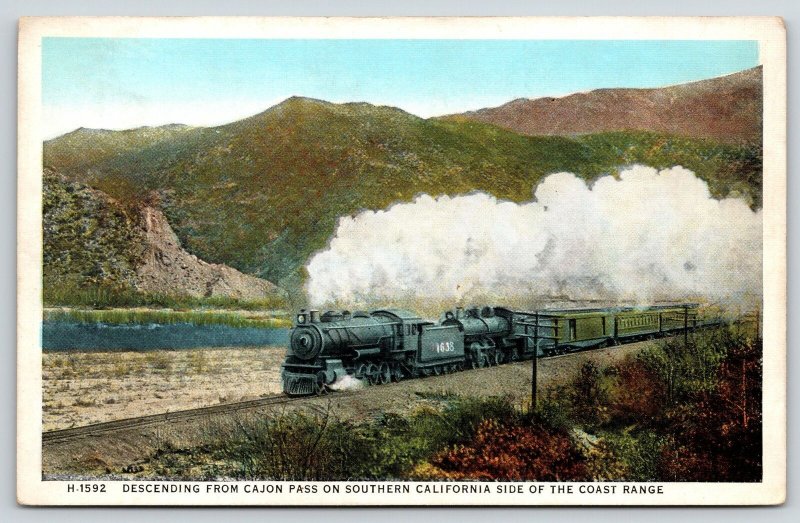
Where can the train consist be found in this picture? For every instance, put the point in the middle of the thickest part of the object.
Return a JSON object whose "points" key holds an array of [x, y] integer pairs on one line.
{"points": [[392, 345]]}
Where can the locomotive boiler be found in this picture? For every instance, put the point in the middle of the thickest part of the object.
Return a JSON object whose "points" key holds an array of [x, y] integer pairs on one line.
{"points": [[377, 347], [487, 334]]}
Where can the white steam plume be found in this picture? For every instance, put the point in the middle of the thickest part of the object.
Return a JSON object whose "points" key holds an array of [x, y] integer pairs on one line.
{"points": [[644, 236], [348, 382]]}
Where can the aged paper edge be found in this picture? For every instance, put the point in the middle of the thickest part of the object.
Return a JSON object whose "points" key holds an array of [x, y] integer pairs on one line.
{"points": [[768, 31]]}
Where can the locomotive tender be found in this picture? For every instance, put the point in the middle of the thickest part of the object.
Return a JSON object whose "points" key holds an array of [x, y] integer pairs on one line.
{"points": [[392, 344]]}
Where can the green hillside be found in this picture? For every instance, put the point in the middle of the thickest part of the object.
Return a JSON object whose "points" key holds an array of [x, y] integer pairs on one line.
{"points": [[89, 240], [264, 193]]}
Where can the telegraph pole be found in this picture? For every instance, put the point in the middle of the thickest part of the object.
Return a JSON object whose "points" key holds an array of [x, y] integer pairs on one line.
{"points": [[535, 361], [685, 325]]}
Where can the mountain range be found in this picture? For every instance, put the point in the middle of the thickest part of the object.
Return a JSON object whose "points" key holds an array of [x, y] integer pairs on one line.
{"points": [[264, 193], [726, 109]]}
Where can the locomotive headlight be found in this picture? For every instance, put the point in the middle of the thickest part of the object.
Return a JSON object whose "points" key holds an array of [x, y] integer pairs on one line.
{"points": [[301, 318]]}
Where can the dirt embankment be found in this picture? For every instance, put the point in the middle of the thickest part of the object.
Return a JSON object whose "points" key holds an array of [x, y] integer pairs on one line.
{"points": [[177, 380]]}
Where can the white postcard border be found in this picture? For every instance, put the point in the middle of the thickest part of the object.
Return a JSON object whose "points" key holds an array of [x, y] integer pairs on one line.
{"points": [[770, 33]]}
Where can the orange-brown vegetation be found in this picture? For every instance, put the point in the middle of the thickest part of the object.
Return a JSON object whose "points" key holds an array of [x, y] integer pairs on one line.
{"points": [[513, 452], [717, 435]]}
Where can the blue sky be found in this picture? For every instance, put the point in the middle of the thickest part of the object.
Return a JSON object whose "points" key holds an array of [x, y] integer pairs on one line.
{"points": [[122, 83]]}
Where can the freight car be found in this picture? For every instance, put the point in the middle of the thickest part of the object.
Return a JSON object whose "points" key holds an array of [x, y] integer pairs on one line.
{"points": [[392, 344]]}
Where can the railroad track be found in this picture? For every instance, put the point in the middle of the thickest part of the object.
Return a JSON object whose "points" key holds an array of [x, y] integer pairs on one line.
{"points": [[97, 429], [60, 436]]}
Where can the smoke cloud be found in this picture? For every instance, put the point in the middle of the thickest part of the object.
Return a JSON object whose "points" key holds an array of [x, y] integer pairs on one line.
{"points": [[644, 236]]}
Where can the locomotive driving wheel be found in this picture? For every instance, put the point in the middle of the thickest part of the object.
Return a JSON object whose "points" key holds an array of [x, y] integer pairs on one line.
{"points": [[397, 373], [476, 355], [498, 357], [373, 374], [384, 373], [361, 371]]}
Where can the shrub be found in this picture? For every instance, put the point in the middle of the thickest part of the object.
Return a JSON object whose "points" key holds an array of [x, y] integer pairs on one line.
{"points": [[159, 360], [589, 395], [636, 453], [717, 435], [553, 411], [690, 368], [197, 362], [636, 396], [513, 452], [296, 446]]}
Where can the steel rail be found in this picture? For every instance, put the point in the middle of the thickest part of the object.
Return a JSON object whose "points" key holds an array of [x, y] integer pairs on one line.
{"points": [[97, 429]]}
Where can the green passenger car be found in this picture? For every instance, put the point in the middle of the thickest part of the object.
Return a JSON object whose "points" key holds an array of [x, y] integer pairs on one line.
{"points": [[568, 330]]}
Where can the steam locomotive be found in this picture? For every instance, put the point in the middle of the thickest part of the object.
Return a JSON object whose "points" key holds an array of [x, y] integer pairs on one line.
{"points": [[392, 344]]}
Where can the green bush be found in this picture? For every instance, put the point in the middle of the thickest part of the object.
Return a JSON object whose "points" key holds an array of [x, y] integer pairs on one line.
{"points": [[136, 316], [638, 451], [552, 411], [691, 368], [68, 291], [296, 446]]}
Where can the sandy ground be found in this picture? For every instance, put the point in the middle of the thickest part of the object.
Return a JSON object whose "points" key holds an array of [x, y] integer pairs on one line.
{"points": [[231, 374], [81, 388]]}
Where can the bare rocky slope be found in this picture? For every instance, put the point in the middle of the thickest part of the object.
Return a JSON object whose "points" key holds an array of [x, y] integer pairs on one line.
{"points": [[726, 109], [92, 240], [167, 268]]}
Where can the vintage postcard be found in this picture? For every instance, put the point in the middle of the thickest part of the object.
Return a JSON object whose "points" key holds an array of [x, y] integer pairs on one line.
{"points": [[401, 261]]}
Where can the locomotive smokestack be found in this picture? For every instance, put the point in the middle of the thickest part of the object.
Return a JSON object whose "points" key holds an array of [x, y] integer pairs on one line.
{"points": [[314, 316]]}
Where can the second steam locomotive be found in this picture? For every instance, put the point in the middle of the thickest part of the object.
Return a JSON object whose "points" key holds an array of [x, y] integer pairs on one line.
{"points": [[392, 344]]}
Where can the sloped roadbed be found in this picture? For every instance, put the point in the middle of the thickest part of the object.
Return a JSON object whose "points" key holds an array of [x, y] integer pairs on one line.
{"points": [[116, 444]]}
